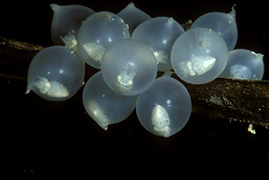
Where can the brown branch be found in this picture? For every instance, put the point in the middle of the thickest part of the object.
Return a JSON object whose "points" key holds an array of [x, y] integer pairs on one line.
{"points": [[221, 99], [15, 57], [233, 100]]}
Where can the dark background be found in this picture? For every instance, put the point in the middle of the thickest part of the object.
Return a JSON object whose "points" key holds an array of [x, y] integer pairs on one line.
{"points": [[48, 138]]}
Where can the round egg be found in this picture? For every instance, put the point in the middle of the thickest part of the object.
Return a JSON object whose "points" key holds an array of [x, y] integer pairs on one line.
{"points": [[66, 22], [98, 32], [129, 67], [199, 55], [104, 105], [223, 23], [244, 64], [165, 108], [56, 73], [159, 34], [133, 16]]}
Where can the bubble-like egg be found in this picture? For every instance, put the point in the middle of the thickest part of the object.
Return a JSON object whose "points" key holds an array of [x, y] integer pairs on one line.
{"points": [[55, 73], [104, 105], [244, 64], [165, 108], [133, 16], [223, 23], [199, 55], [98, 32], [159, 34], [66, 22], [129, 67]]}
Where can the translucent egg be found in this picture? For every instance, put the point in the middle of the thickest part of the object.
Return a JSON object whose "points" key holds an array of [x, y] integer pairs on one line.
{"points": [[244, 64], [165, 108], [159, 34], [104, 105], [98, 32], [223, 23], [199, 55], [55, 73], [129, 67], [66, 22], [133, 16]]}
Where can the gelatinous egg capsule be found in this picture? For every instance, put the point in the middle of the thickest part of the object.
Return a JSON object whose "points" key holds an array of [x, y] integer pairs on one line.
{"points": [[223, 23], [55, 73], [128, 67], [165, 108], [133, 16], [244, 64], [98, 32], [104, 105], [159, 34], [66, 22], [199, 55]]}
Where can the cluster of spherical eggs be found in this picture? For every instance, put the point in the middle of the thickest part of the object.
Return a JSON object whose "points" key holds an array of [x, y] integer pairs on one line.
{"points": [[129, 48]]}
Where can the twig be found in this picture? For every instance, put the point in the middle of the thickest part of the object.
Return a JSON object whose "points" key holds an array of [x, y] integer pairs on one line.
{"points": [[222, 99]]}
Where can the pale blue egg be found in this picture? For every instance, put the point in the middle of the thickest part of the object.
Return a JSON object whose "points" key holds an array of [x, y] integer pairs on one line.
{"points": [[55, 73], [223, 23], [97, 33], [244, 64], [199, 55], [104, 105], [66, 22], [129, 67], [133, 16], [159, 34], [165, 108]]}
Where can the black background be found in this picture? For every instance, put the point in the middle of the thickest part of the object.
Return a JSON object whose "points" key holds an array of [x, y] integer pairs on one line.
{"points": [[45, 139]]}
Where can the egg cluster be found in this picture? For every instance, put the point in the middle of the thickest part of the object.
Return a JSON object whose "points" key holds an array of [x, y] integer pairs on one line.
{"points": [[129, 48]]}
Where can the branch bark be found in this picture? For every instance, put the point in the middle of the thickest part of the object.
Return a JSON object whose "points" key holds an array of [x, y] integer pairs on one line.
{"points": [[222, 99]]}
